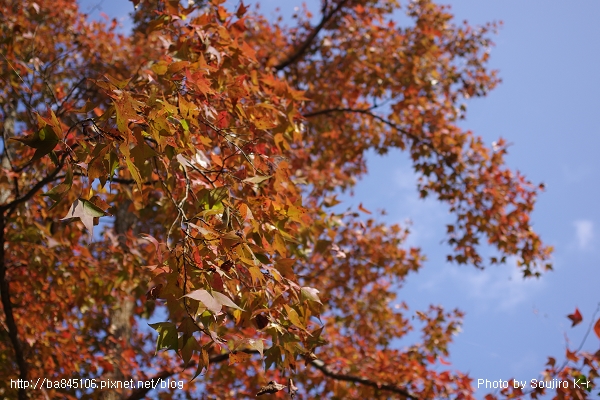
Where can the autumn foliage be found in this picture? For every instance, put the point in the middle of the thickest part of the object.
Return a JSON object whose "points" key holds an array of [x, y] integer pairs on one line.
{"points": [[211, 146]]}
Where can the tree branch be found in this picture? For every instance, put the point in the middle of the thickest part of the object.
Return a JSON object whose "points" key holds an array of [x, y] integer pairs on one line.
{"points": [[31, 192], [140, 393], [299, 52], [320, 365], [13, 333], [365, 111]]}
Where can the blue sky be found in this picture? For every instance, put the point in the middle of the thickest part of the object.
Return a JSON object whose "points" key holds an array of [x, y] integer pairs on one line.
{"points": [[548, 55]]}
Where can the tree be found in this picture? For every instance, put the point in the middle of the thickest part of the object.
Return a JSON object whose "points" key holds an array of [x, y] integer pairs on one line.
{"points": [[213, 144]]}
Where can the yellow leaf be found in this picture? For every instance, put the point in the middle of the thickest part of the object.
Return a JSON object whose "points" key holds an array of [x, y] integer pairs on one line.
{"points": [[256, 274], [293, 316]]}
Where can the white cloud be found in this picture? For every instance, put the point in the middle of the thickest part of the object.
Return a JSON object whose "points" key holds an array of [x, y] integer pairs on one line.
{"points": [[493, 289], [500, 289], [494, 286], [427, 217], [584, 230]]}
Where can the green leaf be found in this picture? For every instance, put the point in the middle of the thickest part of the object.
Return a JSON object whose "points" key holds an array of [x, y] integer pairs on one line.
{"points": [[111, 161], [216, 195], [184, 124], [58, 192], [44, 141], [273, 356], [188, 349], [262, 258], [167, 336], [135, 173]]}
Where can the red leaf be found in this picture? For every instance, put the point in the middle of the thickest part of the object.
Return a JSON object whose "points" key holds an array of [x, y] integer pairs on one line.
{"points": [[152, 240], [223, 119], [575, 317], [597, 328], [241, 10], [444, 362]]}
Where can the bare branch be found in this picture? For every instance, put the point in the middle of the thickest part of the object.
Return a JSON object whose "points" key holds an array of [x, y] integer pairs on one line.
{"points": [[299, 52], [318, 364]]}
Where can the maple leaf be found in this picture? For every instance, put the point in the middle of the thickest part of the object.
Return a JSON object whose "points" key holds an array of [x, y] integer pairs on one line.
{"points": [[238, 357], [226, 144], [207, 299], [86, 211], [575, 317], [43, 141]]}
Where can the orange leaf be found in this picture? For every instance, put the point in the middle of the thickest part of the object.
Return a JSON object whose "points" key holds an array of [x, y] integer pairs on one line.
{"points": [[361, 208], [444, 362], [238, 357], [597, 328], [572, 356]]}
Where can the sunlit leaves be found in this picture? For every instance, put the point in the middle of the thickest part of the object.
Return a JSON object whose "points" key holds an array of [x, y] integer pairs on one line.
{"points": [[224, 300], [238, 357], [311, 294], [221, 165], [212, 301], [206, 299], [86, 211], [256, 179], [126, 108]]}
